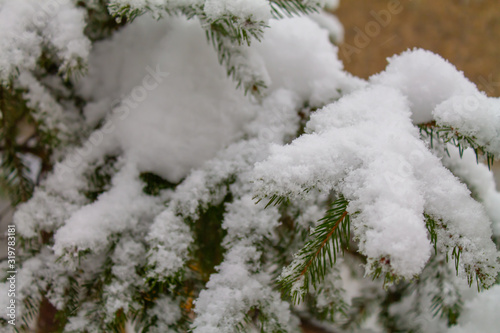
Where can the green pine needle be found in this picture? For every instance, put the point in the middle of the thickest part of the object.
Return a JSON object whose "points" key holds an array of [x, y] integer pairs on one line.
{"points": [[311, 263], [472, 273], [282, 8], [446, 134]]}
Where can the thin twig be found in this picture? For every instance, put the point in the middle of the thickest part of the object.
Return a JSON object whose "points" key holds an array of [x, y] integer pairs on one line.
{"points": [[323, 244]]}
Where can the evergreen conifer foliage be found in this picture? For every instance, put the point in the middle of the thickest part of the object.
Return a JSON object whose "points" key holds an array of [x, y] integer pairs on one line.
{"points": [[208, 166]]}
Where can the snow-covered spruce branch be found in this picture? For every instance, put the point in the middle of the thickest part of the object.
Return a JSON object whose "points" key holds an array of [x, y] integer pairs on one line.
{"points": [[477, 271], [357, 180], [448, 135], [43, 45], [311, 263]]}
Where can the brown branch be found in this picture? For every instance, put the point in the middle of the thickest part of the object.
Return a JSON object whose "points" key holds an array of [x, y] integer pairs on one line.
{"points": [[323, 244]]}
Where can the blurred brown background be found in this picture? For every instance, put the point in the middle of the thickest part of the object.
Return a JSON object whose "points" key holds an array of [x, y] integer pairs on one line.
{"points": [[466, 32]]}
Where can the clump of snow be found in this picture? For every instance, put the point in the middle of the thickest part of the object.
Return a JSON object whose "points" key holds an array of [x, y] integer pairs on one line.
{"points": [[426, 79], [299, 56], [332, 4], [331, 23], [167, 312], [229, 293], [161, 105], [436, 90], [120, 291], [116, 210], [478, 178], [474, 115], [341, 151], [48, 112], [60, 195], [172, 238], [241, 211]]}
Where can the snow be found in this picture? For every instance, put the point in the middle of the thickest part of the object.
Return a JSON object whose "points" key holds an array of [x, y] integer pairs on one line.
{"points": [[480, 314], [366, 147], [125, 277], [474, 115], [188, 99], [299, 57], [479, 179], [176, 139], [173, 238], [28, 29], [152, 111], [239, 284], [256, 10], [161, 103], [51, 114], [117, 210], [156, 7], [331, 23], [28, 26], [168, 312], [60, 195], [426, 79], [19, 44], [332, 4]]}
